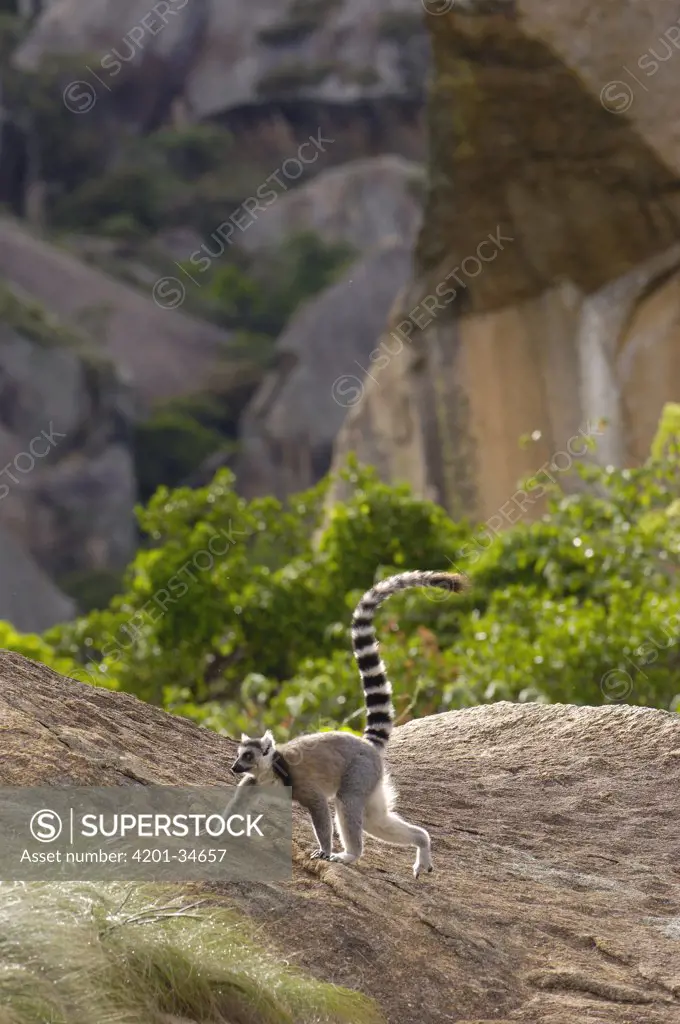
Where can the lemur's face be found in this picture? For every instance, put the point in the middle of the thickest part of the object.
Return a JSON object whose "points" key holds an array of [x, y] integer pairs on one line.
{"points": [[254, 756]]}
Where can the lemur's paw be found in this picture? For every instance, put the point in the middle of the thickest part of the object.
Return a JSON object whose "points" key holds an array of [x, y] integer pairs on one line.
{"points": [[319, 855], [419, 868], [344, 857]]}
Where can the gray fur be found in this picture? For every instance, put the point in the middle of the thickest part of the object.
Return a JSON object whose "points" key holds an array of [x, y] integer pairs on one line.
{"points": [[340, 766]]}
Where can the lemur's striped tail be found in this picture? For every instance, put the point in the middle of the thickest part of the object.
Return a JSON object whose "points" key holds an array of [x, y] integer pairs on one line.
{"points": [[377, 689]]}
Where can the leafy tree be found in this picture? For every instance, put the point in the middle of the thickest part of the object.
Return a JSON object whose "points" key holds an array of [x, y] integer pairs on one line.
{"points": [[236, 614], [265, 295]]}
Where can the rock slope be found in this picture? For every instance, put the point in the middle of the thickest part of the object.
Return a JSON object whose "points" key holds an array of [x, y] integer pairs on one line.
{"points": [[159, 351], [555, 897]]}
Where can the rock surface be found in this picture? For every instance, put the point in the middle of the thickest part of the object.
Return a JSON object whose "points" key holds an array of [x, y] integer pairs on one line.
{"points": [[29, 600], [552, 129], [223, 53], [68, 482], [158, 350], [555, 892], [289, 428], [363, 203]]}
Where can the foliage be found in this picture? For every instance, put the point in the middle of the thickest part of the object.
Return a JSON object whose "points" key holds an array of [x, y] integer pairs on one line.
{"points": [[263, 300], [237, 612], [137, 191], [96, 169], [91, 588], [180, 434], [35, 648], [169, 446], [213, 551], [80, 953], [194, 149], [67, 150], [30, 319]]}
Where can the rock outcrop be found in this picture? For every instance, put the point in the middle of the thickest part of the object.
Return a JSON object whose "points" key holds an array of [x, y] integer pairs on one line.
{"points": [[157, 350], [292, 421], [29, 599], [363, 204], [289, 428], [272, 73], [227, 54], [553, 214], [554, 896], [67, 478]]}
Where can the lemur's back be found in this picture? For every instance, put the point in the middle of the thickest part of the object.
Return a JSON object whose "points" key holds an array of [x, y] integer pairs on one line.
{"points": [[323, 759]]}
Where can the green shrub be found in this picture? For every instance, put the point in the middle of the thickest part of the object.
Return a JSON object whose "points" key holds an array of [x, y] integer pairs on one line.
{"points": [[237, 612], [192, 150], [262, 300], [135, 191], [168, 447], [91, 588], [36, 648], [28, 318], [122, 227]]}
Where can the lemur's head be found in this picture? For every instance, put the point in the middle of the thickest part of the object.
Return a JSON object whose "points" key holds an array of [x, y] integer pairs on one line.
{"points": [[255, 756]]}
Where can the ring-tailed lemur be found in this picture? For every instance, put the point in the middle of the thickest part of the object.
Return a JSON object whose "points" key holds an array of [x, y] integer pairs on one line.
{"points": [[327, 765]]}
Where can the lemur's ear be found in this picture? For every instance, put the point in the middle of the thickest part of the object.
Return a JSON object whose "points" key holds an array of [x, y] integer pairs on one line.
{"points": [[244, 738], [267, 742]]}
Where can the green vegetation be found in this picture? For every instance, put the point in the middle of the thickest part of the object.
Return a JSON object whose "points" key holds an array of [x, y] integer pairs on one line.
{"points": [[159, 180], [169, 446], [84, 953], [102, 178], [35, 648], [264, 297], [256, 302], [135, 190], [237, 613], [91, 588], [29, 319]]}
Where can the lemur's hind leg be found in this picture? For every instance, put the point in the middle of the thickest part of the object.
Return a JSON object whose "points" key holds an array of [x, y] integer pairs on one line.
{"points": [[358, 782], [349, 813], [383, 823], [320, 813]]}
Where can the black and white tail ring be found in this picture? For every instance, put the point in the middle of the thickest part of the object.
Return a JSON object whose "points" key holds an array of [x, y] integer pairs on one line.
{"points": [[377, 688]]}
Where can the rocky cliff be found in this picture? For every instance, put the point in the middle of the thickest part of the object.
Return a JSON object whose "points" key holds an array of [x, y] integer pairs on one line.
{"points": [[546, 291], [272, 72], [554, 896], [157, 350], [67, 482], [289, 428]]}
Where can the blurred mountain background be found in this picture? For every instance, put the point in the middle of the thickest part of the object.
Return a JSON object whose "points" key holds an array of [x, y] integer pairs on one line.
{"points": [[226, 234]]}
